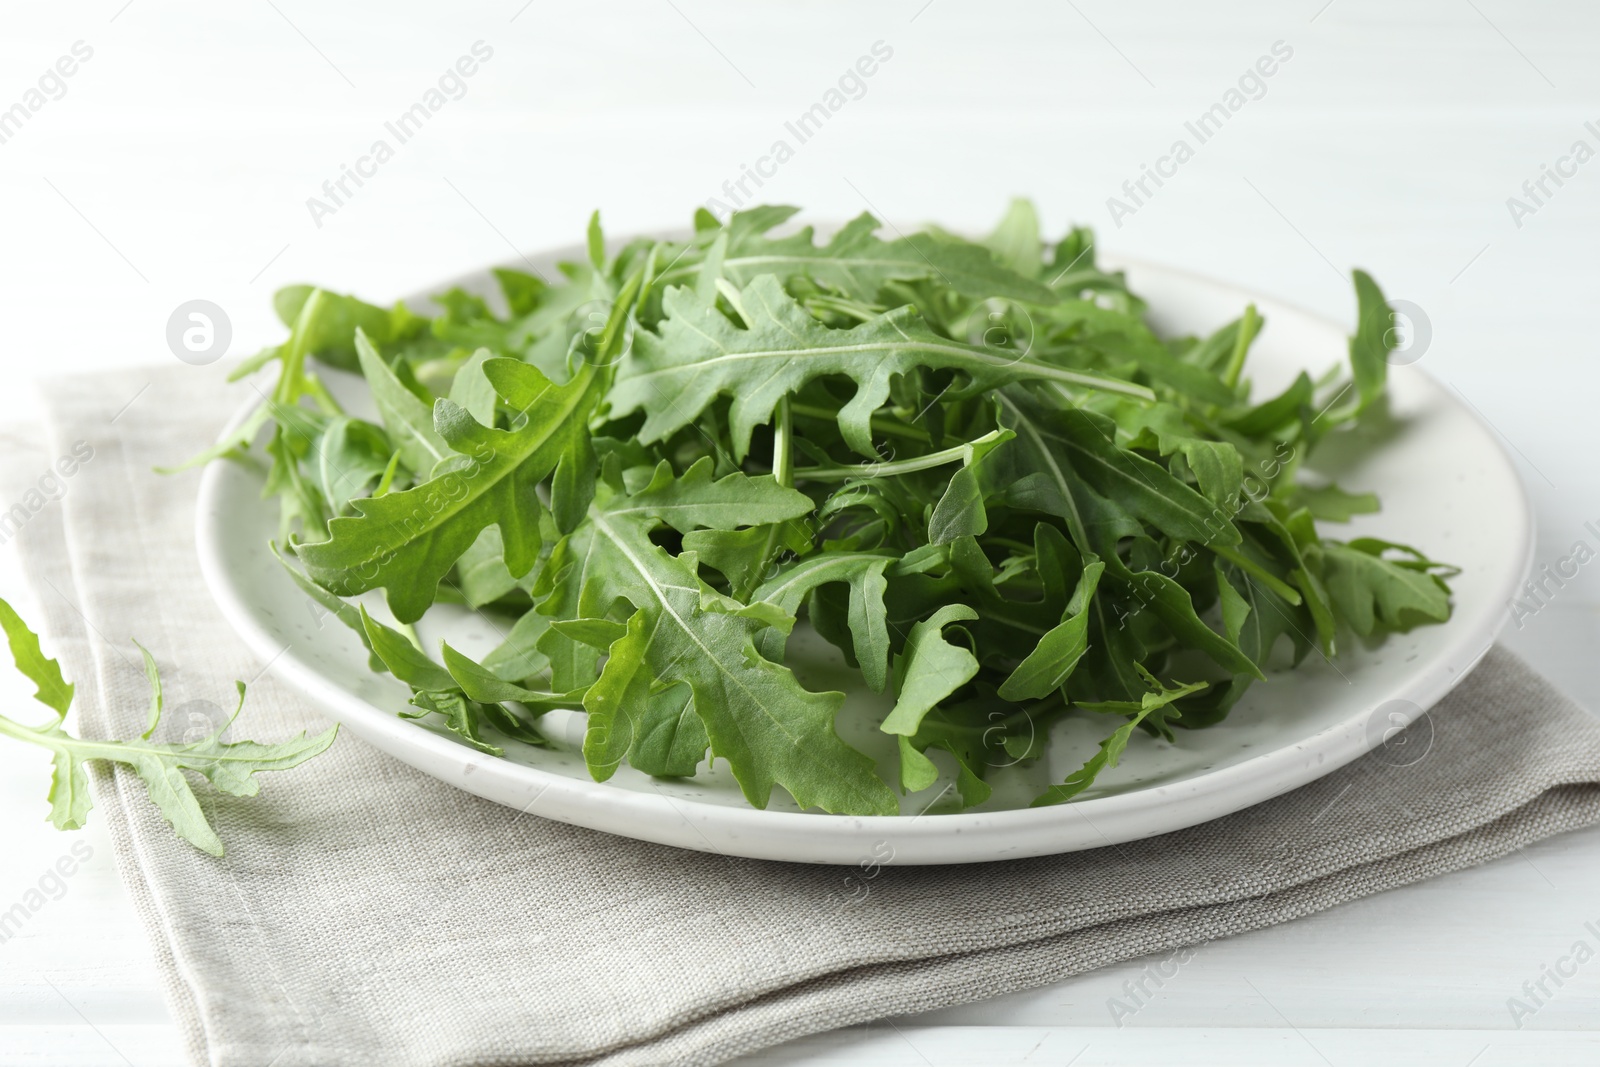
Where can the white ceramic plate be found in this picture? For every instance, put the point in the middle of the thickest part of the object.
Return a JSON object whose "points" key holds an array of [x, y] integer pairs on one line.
{"points": [[1446, 486]]}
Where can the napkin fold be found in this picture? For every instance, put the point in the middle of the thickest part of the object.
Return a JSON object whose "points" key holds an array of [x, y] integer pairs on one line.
{"points": [[367, 913]]}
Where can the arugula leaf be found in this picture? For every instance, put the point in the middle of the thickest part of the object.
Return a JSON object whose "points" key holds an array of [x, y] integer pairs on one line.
{"points": [[930, 670], [230, 766], [1371, 343], [701, 354], [1369, 590], [338, 321], [863, 573], [408, 419], [857, 264], [1151, 708], [769, 728], [1054, 658], [53, 691], [1015, 241], [406, 542]]}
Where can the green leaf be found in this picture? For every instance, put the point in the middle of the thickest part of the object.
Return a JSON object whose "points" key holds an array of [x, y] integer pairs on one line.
{"points": [[700, 354], [1015, 241], [616, 702], [345, 613], [697, 501], [479, 683], [746, 556], [406, 542], [331, 337], [670, 740], [1155, 703], [1054, 658], [1068, 443], [1332, 504], [405, 660], [917, 771], [1168, 600], [523, 292], [346, 458], [53, 691], [230, 767], [863, 573], [960, 511], [1372, 341], [461, 716], [408, 420], [1218, 466], [481, 572], [152, 674], [517, 658], [596, 244], [1372, 593], [471, 389], [929, 670], [857, 264], [769, 728]]}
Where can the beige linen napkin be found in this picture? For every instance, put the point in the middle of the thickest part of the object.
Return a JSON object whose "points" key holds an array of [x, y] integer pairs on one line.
{"points": [[366, 913]]}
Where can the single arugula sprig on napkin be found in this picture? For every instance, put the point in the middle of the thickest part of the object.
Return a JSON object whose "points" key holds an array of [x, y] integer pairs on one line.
{"points": [[970, 465], [230, 766]]}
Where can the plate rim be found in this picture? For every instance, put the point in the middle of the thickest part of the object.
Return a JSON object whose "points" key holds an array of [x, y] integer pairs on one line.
{"points": [[924, 838]]}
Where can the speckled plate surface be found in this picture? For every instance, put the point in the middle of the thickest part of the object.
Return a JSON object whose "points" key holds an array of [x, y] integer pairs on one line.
{"points": [[1446, 485]]}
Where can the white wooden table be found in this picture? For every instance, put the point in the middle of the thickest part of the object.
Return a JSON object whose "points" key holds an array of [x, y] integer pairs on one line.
{"points": [[177, 162]]}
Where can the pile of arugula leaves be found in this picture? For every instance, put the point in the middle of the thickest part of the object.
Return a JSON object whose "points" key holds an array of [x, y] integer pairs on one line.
{"points": [[970, 465]]}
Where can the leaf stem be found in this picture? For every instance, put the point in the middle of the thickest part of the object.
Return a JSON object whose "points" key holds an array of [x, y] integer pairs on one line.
{"points": [[783, 446], [962, 452], [842, 306], [39, 736], [1249, 325], [882, 425]]}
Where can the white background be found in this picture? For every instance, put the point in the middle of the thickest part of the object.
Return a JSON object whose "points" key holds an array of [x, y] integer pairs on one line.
{"points": [[178, 164]]}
